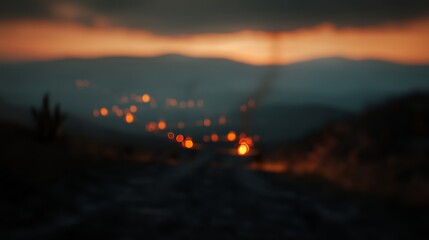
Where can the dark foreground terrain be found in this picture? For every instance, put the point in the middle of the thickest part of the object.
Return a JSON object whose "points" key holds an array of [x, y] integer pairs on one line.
{"points": [[50, 193]]}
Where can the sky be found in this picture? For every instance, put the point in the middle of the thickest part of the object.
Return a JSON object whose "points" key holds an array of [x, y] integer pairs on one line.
{"points": [[240, 30]]}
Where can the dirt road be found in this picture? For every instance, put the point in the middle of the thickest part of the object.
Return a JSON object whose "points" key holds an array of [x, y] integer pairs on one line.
{"points": [[210, 197]]}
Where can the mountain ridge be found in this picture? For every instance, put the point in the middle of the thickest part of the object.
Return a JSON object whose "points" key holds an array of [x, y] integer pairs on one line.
{"points": [[176, 56]]}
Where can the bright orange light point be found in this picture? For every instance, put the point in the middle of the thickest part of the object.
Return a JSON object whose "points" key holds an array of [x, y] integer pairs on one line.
{"points": [[129, 118], [133, 108], [162, 125], [214, 137], [151, 126], [231, 136], [180, 138], [247, 140], [207, 122], [145, 98], [104, 112], [243, 148], [188, 143]]}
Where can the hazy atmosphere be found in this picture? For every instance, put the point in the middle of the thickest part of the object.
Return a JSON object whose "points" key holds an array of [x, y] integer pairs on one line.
{"points": [[279, 119]]}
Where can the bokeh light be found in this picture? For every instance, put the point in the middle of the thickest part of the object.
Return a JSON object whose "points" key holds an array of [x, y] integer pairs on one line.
{"points": [[133, 108], [162, 125], [188, 143], [180, 138], [214, 137], [207, 122], [104, 112], [129, 118], [231, 136], [170, 135], [145, 98], [151, 126], [243, 148]]}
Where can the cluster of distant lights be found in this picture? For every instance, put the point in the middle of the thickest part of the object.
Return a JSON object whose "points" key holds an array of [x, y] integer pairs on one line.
{"points": [[245, 143]]}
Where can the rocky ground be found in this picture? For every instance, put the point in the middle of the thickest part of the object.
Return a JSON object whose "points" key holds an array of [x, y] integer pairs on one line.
{"points": [[209, 197]]}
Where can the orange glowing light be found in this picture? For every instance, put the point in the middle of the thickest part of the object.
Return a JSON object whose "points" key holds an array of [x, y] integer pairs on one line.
{"points": [[231, 136], [104, 112], [170, 135], [188, 143], [207, 122], [162, 125], [133, 108], [246, 140], [243, 148], [222, 120], [145, 98], [402, 42], [180, 138], [151, 126], [274, 167], [214, 137], [129, 118], [243, 108], [181, 125]]}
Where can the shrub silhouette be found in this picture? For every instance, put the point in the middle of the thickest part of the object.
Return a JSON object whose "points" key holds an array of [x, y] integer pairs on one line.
{"points": [[49, 124]]}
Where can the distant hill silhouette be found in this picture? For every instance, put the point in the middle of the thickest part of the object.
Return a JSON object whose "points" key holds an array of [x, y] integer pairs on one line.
{"points": [[223, 83], [384, 150]]}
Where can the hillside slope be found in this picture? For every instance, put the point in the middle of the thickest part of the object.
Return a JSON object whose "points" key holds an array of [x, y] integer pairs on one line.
{"points": [[384, 151]]}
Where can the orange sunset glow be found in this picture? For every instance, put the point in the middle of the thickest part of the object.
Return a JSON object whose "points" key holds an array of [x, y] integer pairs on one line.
{"points": [[40, 40]]}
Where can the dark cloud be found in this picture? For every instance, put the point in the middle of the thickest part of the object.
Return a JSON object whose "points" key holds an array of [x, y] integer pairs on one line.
{"points": [[200, 16], [24, 9]]}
